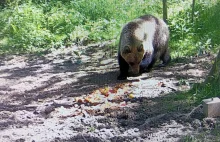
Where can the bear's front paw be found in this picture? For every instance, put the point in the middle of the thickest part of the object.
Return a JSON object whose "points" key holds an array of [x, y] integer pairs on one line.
{"points": [[145, 70], [122, 77], [161, 65]]}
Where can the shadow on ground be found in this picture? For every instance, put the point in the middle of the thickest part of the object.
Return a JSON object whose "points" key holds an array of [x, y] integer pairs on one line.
{"points": [[29, 81]]}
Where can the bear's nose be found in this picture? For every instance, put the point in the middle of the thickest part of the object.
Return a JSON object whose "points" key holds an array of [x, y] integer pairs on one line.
{"points": [[135, 69]]}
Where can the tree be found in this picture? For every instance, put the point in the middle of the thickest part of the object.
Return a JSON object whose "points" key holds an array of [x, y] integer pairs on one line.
{"points": [[165, 10], [193, 9]]}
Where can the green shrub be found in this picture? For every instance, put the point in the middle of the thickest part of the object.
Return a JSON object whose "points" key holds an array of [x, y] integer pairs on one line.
{"points": [[43, 24], [190, 38]]}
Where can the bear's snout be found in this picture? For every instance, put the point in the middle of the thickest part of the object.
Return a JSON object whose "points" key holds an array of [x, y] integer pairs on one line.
{"points": [[135, 69]]}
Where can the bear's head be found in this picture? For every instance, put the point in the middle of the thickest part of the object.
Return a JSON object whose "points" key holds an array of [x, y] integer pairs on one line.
{"points": [[132, 42], [133, 55]]}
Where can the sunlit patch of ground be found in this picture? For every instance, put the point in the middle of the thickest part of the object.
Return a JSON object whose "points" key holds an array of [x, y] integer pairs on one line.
{"points": [[73, 94]]}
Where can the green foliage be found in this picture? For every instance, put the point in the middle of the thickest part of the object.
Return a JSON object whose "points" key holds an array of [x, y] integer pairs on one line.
{"points": [[194, 37], [41, 24], [203, 91], [208, 135], [208, 23]]}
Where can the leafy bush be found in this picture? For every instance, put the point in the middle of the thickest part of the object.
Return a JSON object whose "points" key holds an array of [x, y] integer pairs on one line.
{"points": [[41, 24], [44, 24], [190, 38], [24, 27]]}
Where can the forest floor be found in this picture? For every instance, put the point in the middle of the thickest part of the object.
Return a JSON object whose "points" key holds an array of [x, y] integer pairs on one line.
{"points": [[65, 96]]}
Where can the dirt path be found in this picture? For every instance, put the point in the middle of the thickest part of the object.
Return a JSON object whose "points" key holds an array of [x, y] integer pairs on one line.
{"points": [[40, 98]]}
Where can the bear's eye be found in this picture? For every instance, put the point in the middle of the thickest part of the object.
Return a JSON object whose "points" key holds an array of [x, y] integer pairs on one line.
{"points": [[140, 48], [126, 50], [131, 63]]}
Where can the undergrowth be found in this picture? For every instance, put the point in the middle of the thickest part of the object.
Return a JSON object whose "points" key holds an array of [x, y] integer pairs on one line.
{"points": [[31, 25], [198, 36], [41, 24]]}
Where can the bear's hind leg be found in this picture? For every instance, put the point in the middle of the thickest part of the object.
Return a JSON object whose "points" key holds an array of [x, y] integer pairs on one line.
{"points": [[166, 58], [147, 67]]}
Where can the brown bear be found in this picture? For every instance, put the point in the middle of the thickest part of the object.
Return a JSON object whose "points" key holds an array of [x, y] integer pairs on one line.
{"points": [[142, 42]]}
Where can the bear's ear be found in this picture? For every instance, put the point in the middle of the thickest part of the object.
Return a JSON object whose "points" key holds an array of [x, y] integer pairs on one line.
{"points": [[126, 50], [140, 48]]}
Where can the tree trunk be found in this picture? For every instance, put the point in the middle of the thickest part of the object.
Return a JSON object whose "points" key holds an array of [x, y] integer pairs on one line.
{"points": [[193, 9], [165, 10], [214, 74]]}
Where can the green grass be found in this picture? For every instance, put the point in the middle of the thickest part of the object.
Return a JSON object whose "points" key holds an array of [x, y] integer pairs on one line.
{"points": [[212, 135], [190, 38], [40, 24], [32, 25]]}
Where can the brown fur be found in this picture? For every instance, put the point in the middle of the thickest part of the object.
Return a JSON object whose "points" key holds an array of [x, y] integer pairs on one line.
{"points": [[142, 42], [133, 58]]}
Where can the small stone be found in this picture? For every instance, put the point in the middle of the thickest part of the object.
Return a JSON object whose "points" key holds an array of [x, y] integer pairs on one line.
{"points": [[20, 140], [196, 123], [47, 109]]}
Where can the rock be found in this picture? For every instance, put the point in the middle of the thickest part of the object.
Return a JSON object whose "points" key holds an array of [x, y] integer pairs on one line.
{"points": [[20, 140], [44, 110], [190, 65], [209, 122], [196, 123]]}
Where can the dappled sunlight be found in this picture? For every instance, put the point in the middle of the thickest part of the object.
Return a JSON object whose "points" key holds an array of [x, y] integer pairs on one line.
{"points": [[59, 69], [25, 74], [65, 85]]}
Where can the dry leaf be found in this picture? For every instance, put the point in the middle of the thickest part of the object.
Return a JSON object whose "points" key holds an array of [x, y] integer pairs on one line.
{"points": [[104, 91], [79, 100], [161, 84], [122, 104]]}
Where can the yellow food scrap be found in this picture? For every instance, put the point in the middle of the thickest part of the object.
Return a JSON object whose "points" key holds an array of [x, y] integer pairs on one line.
{"points": [[131, 96]]}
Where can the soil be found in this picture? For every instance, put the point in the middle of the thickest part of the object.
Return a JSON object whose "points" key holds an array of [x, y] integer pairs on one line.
{"points": [[50, 98]]}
